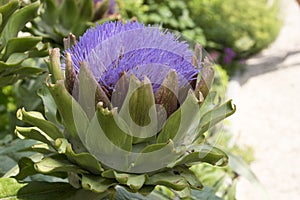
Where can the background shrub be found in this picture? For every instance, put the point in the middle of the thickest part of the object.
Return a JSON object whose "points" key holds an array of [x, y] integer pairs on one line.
{"points": [[173, 15], [245, 26]]}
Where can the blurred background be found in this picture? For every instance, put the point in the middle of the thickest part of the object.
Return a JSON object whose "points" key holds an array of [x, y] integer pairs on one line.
{"points": [[256, 45]]}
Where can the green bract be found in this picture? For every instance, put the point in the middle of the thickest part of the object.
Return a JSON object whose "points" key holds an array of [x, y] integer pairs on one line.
{"points": [[99, 146]]}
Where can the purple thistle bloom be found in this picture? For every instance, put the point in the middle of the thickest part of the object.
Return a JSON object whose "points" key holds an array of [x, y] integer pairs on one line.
{"points": [[228, 51], [227, 59], [229, 55], [114, 48]]}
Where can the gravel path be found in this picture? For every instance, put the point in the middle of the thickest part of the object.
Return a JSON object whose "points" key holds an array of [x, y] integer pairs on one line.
{"points": [[267, 96]]}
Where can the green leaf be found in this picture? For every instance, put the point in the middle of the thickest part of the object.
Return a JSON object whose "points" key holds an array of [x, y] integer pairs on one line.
{"points": [[8, 80], [40, 50], [168, 179], [50, 107], [33, 133], [190, 177], [26, 90], [202, 153], [20, 45], [15, 146], [73, 117], [24, 72], [11, 152], [69, 13], [87, 10], [38, 120], [146, 160], [214, 116], [84, 160], [157, 146], [11, 189], [7, 163], [40, 148], [61, 145], [17, 21], [96, 183], [11, 72], [16, 58], [185, 193], [206, 193], [50, 11], [26, 168], [56, 163], [6, 11], [124, 194], [7, 67], [134, 182]]}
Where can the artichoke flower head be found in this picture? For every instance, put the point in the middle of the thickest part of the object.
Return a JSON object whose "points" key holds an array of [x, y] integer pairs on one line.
{"points": [[132, 105]]}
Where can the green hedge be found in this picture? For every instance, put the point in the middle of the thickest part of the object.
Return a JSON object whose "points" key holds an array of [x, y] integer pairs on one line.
{"points": [[171, 14], [245, 26]]}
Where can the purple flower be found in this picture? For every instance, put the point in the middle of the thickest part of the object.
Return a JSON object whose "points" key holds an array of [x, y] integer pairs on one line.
{"points": [[114, 48], [229, 55]]}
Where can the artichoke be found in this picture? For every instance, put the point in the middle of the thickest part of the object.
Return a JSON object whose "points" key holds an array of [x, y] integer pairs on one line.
{"points": [[131, 110]]}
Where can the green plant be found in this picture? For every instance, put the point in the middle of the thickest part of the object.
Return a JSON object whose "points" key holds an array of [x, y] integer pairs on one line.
{"points": [[7, 108], [245, 26], [15, 49], [74, 134], [58, 19], [173, 15]]}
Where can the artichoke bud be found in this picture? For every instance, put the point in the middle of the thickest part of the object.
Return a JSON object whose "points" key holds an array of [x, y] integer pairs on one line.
{"points": [[120, 91], [167, 93], [69, 41], [70, 75], [204, 84], [54, 65]]}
